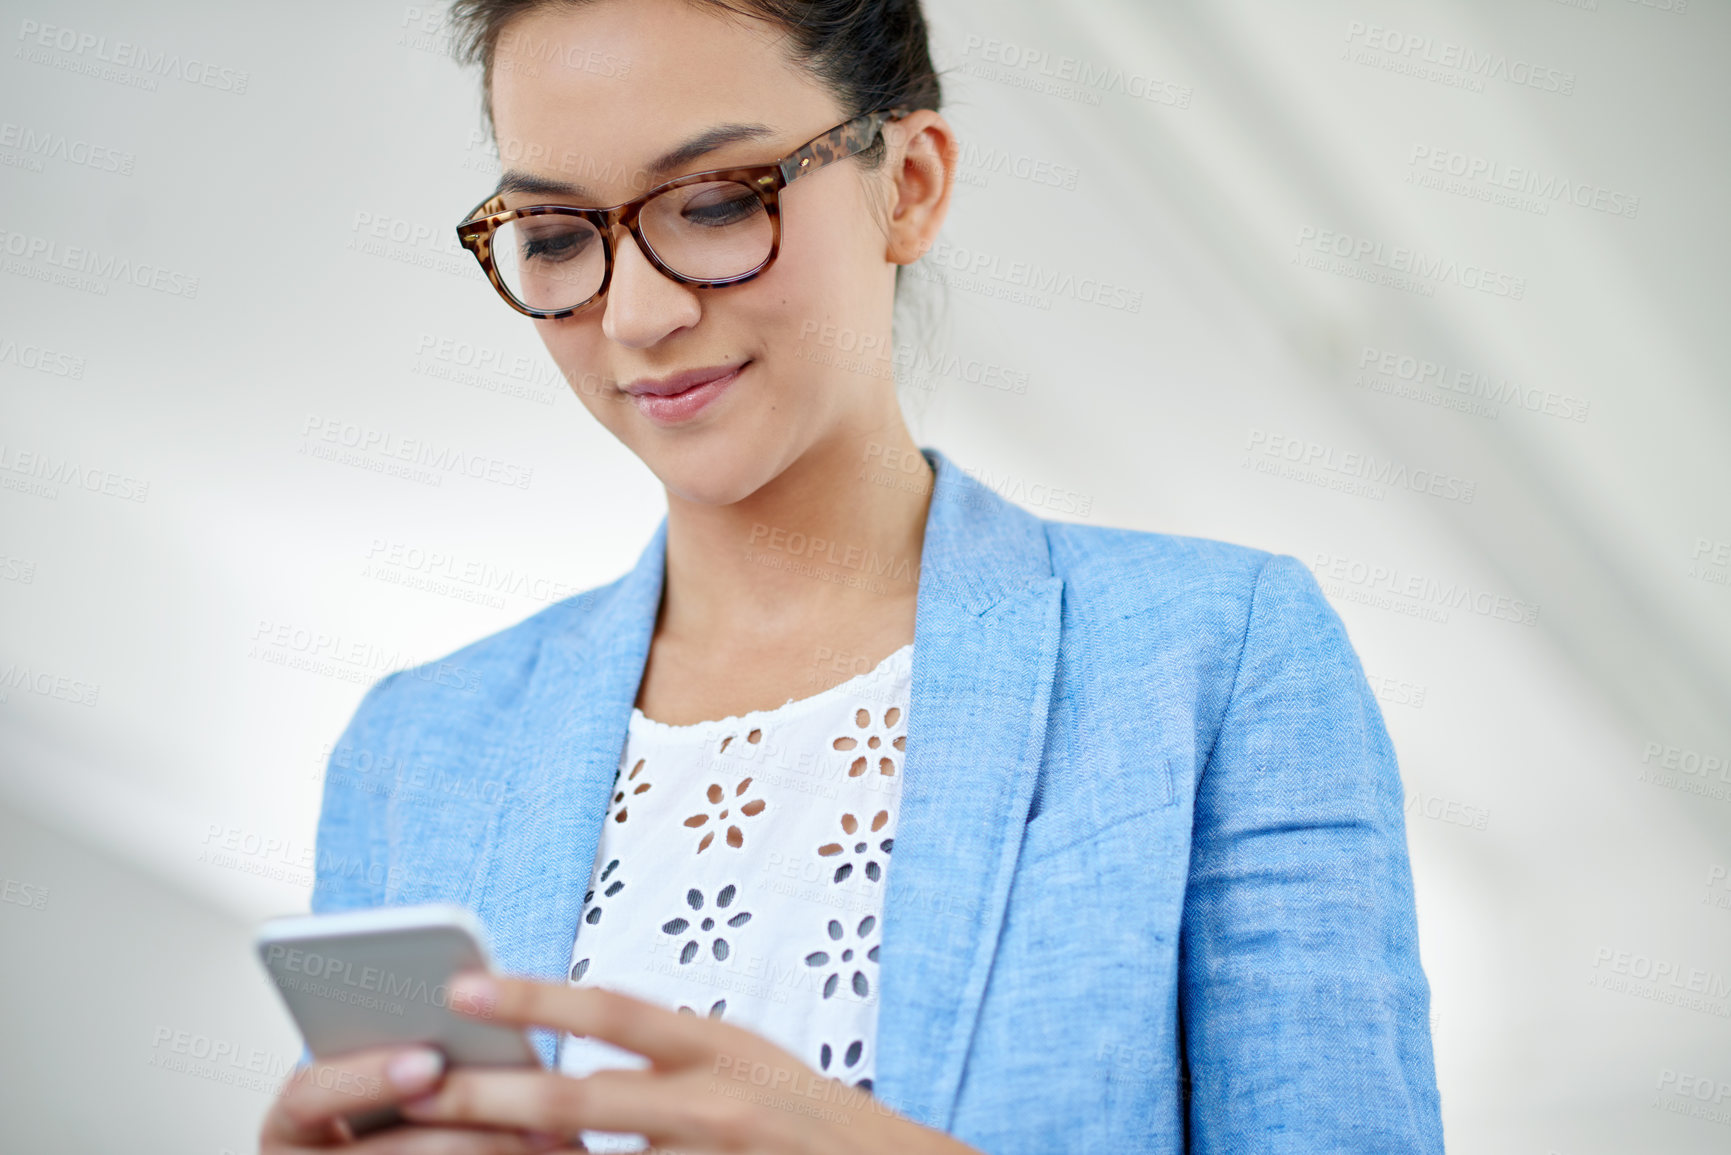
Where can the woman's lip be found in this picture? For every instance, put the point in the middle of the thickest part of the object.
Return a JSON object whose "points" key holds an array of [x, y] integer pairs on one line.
{"points": [[679, 407]]}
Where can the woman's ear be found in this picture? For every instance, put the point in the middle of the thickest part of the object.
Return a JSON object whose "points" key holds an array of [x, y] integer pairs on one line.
{"points": [[924, 167]]}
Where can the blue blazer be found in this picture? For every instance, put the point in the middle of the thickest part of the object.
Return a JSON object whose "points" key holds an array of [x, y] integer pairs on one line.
{"points": [[1150, 888]]}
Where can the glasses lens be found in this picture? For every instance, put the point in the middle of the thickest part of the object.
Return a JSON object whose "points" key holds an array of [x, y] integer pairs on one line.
{"points": [[711, 230], [548, 261]]}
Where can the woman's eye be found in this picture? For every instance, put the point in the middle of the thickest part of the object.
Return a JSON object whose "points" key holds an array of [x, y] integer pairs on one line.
{"points": [[555, 247], [723, 211]]}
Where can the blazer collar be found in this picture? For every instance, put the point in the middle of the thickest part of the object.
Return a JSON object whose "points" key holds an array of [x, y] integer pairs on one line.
{"points": [[985, 650]]}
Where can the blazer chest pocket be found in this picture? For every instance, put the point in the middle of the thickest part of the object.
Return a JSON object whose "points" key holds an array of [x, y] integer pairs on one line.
{"points": [[1091, 800]]}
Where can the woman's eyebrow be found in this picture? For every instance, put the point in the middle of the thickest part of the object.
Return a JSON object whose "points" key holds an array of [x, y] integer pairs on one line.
{"points": [[708, 141], [704, 142]]}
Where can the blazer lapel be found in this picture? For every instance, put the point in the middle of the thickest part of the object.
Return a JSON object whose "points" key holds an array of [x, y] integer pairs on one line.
{"points": [[572, 729], [985, 651]]}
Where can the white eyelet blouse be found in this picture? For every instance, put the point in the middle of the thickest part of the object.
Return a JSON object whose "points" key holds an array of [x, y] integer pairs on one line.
{"points": [[740, 874]]}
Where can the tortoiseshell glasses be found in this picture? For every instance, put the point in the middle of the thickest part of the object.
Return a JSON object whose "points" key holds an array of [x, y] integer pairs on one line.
{"points": [[707, 229]]}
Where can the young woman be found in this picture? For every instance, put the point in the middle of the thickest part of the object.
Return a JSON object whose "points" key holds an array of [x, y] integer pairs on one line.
{"points": [[867, 812]]}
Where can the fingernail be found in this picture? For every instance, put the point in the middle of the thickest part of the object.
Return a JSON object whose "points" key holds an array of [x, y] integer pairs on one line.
{"points": [[474, 994], [415, 1069]]}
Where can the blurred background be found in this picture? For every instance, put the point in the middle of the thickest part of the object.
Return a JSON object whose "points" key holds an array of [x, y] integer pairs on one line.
{"points": [[1428, 295]]}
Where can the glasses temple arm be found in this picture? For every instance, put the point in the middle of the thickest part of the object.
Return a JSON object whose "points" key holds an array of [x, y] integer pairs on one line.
{"points": [[841, 142]]}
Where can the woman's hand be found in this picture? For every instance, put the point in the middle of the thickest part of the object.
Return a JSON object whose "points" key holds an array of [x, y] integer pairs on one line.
{"points": [[711, 1086], [311, 1112]]}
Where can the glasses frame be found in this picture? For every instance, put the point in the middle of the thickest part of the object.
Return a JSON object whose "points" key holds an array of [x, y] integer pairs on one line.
{"points": [[766, 180]]}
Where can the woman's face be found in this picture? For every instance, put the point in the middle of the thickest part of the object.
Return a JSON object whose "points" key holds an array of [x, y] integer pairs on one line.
{"points": [[592, 97]]}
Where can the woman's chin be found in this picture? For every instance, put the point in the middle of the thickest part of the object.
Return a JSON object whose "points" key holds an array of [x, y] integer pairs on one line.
{"points": [[714, 483]]}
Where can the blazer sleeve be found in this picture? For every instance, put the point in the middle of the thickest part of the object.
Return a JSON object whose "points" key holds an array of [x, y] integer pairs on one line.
{"points": [[351, 853], [1305, 1010]]}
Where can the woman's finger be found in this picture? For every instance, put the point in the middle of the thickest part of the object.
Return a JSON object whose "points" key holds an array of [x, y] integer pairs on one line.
{"points": [[319, 1094], [410, 1140], [666, 1038], [694, 1110]]}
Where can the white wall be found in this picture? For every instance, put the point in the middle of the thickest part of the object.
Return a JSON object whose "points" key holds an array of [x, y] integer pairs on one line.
{"points": [[1226, 141]]}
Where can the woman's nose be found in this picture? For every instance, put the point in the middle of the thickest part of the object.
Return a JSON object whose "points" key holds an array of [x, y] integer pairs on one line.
{"points": [[643, 304]]}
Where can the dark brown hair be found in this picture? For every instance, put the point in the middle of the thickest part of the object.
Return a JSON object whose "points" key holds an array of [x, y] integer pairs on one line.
{"points": [[870, 54]]}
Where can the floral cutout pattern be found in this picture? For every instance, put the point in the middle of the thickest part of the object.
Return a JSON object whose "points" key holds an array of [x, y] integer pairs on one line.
{"points": [[845, 1061], [719, 798], [592, 913], [753, 738], [622, 789], [718, 945], [879, 746], [852, 956], [716, 1009], [861, 846], [789, 812]]}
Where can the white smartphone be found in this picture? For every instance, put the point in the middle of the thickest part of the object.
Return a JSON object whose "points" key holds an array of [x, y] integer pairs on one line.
{"points": [[376, 978]]}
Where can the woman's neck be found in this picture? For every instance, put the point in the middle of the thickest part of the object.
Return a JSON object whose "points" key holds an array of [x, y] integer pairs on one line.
{"points": [[829, 548]]}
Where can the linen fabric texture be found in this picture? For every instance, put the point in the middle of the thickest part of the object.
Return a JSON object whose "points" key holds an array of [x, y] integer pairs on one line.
{"points": [[1151, 890]]}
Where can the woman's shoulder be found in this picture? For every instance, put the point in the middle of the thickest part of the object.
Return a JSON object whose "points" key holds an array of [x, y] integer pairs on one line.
{"points": [[480, 681], [1125, 573]]}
